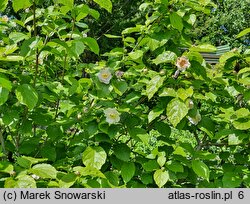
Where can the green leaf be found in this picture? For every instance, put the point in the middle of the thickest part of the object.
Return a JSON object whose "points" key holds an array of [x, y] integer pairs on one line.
{"points": [[201, 169], [183, 94], [112, 36], [150, 165], [231, 180], [88, 171], [27, 95], [17, 4], [122, 152], [94, 157], [176, 21], [120, 87], [175, 166], [161, 160], [4, 94], [161, 177], [157, 111], [165, 57], [154, 84], [207, 125], [127, 171], [136, 55], [44, 171], [176, 111], [3, 4], [203, 48], [17, 37], [67, 180], [6, 167], [244, 32], [242, 124], [25, 181], [106, 4], [168, 92], [163, 128], [92, 44], [5, 83]]}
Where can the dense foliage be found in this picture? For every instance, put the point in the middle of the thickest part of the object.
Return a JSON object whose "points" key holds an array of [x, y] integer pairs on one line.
{"points": [[146, 113], [223, 24]]}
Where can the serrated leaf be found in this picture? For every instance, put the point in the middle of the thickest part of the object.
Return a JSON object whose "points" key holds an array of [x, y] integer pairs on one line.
{"points": [[106, 4], [127, 171], [175, 166], [176, 111], [161, 177], [44, 171], [154, 84], [201, 169], [161, 160], [88, 171], [165, 57], [94, 157], [27, 95]]}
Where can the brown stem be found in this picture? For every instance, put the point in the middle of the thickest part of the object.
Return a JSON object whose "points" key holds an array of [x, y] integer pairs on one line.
{"points": [[3, 144]]}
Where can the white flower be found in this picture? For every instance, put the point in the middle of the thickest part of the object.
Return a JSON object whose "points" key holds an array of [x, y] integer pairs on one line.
{"points": [[195, 120], [104, 76], [112, 115], [182, 63]]}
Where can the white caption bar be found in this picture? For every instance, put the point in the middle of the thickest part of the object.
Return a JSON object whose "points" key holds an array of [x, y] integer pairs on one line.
{"points": [[126, 196]]}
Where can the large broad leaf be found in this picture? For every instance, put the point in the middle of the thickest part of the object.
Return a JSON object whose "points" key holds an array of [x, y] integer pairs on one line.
{"points": [[122, 152], [17, 4], [127, 171], [154, 84], [3, 4], [201, 169], [161, 177], [88, 171], [92, 44], [176, 21], [176, 111], [25, 181], [165, 57], [27, 95], [94, 157], [106, 4], [4, 94], [44, 171]]}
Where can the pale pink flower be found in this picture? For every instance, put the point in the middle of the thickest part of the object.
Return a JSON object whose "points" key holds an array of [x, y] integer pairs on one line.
{"points": [[182, 63]]}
